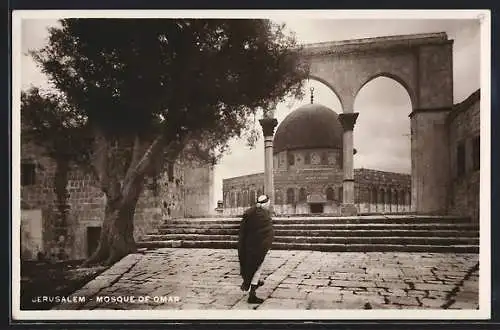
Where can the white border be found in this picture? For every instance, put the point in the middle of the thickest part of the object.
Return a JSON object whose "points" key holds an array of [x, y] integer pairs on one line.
{"points": [[485, 253]]}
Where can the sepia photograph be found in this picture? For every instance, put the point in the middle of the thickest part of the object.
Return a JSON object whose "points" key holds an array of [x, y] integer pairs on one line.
{"points": [[251, 164]]}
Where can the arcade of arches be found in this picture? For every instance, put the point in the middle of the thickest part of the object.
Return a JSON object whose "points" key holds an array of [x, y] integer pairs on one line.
{"points": [[319, 159]]}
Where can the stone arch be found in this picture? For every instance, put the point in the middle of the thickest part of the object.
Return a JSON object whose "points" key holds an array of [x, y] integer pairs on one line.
{"points": [[374, 195], [409, 90], [401, 200], [290, 196], [396, 197], [423, 65], [233, 199], [317, 77], [307, 158], [245, 198], [381, 196], [388, 196], [330, 194], [302, 195], [239, 200], [252, 197]]}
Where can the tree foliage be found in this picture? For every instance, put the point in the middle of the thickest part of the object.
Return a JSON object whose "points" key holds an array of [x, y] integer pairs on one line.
{"points": [[172, 76], [147, 90], [48, 121]]}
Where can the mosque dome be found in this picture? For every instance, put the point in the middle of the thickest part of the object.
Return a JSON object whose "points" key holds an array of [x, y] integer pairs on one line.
{"points": [[310, 126]]}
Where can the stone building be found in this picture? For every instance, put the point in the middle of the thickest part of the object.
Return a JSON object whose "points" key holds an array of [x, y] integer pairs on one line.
{"points": [[464, 146], [182, 189], [308, 172]]}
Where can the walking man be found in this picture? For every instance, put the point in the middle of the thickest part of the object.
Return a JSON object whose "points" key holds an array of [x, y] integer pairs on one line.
{"points": [[255, 239]]}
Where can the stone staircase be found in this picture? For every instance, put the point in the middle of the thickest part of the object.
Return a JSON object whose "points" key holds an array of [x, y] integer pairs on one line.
{"points": [[374, 233]]}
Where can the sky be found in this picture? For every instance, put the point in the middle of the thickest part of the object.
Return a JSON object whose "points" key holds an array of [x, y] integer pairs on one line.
{"points": [[381, 134]]}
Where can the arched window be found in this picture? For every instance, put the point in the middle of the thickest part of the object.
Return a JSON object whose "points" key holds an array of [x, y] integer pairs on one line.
{"points": [[233, 199], [401, 197], [239, 200], [307, 158], [278, 197], [291, 159], [381, 196], [290, 196], [374, 195], [329, 194], [324, 158], [302, 195], [252, 197], [245, 198]]}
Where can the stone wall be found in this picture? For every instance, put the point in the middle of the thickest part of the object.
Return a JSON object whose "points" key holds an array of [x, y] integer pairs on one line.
{"points": [[430, 161], [464, 130], [198, 192], [165, 196]]}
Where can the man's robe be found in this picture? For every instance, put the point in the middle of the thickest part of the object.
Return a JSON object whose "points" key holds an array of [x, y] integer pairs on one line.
{"points": [[255, 239]]}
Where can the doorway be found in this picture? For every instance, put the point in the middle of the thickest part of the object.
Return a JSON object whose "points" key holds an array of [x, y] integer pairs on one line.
{"points": [[316, 208], [93, 235]]}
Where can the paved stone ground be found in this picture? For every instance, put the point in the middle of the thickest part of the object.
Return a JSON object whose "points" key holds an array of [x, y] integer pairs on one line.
{"points": [[209, 279]]}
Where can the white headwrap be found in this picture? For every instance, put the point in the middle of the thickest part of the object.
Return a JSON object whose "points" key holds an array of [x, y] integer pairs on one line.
{"points": [[262, 199]]}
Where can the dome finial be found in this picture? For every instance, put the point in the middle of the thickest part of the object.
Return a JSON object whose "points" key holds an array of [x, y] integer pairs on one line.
{"points": [[312, 94]]}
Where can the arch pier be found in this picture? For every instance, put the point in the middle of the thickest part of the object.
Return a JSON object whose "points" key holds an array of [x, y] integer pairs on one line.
{"points": [[347, 120]]}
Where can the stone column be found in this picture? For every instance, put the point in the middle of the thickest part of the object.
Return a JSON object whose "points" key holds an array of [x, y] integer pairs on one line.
{"points": [[348, 120], [268, 125]]}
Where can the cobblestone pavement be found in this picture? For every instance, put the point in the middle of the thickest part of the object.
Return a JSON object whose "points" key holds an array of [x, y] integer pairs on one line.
{"points": [[209, 279]]}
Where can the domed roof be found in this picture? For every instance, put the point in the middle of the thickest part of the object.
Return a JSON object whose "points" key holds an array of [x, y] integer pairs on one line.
{"points": [[310, 126]]}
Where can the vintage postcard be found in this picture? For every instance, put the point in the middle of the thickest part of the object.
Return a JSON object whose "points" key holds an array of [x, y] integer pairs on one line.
{"points": [[325, 165]]}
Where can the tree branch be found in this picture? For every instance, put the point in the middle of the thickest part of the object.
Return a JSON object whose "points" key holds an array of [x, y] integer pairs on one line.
{"points": [[138, 151], [136, 174]]}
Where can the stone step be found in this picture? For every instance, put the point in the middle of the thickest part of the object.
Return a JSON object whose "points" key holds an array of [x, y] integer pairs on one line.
{"points": [[325, 220], [331, 232], [378, 233], [330, 240], [343, 240], [231, 244], [354, 226]]}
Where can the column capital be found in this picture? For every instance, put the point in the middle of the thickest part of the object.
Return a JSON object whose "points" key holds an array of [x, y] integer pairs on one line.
{"points": [[347, 120], [268, 125]]}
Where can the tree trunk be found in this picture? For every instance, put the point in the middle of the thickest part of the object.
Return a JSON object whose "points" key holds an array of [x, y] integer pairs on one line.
{"points": [[117, 233]]}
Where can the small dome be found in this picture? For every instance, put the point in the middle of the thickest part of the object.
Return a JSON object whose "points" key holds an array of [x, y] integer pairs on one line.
{"points": [[308, 127]]}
